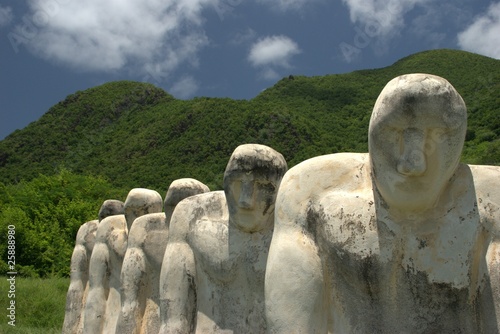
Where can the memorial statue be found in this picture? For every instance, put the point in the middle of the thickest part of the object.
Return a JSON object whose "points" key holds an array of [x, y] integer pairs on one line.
{"points": [[488, 200], [140, 276], [103, 300], [111, 207], [403, 239], [212, 277], [78, 287]]}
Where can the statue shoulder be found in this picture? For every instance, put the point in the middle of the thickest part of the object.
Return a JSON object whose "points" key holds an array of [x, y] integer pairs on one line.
{"points": [[309, 181], [487, 187], [212, 200], [143, 225], [207, 206], [86, 231], [486, 179], [327, 171], [108, 225]]}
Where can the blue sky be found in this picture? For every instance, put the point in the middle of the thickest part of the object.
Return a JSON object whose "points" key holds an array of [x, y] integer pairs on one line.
{"points": [[218, 48]]}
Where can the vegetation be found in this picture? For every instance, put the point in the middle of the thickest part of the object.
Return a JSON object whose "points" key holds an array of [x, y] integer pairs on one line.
{"points": [[47, 213], [99, 143], [39, 305], [135, 134]]}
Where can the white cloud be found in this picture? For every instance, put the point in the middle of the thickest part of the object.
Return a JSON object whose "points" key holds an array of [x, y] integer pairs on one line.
{"points": [[383, 18], [186, 87], [150, 37], [273, 50], [483, 35], [6, 16]]}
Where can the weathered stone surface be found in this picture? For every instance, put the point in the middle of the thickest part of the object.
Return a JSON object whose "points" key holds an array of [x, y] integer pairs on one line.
{"points": [[140, 275], [401, 240], [78, 288], [111, 207], [212, 277], [179, 190], [103, 303], [487, 186]]}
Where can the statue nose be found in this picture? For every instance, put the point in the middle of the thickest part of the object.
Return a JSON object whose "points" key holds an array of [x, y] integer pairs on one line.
{"points": [[412, 161], [246, 196]]}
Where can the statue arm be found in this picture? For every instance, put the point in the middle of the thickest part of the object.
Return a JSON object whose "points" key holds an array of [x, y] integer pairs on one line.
{"points": [[294, 281], [76, 291], [178, 275], [487, 183], [95, 307], [493, 259], [132, 275], [296, 298], [178, 289]]}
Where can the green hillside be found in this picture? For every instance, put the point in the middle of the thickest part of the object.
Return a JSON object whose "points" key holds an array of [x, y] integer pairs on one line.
{"points": [[137, 135], [128, 134]]}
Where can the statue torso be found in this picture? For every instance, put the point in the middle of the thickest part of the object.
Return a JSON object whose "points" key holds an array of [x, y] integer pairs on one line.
{"points": [[387, 274], [230, 268]]}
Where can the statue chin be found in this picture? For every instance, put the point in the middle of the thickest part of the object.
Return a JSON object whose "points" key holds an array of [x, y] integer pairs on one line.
{"points": [[250, 221], [409, 205], [408, 200]]}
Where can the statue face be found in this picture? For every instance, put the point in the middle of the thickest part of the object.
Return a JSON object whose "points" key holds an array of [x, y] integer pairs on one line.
{"points": [[415, 147], [250, 198]]}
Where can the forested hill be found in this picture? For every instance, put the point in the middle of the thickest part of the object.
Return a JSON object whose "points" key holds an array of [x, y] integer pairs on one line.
{"points": [[100, 143], [137, 135]]}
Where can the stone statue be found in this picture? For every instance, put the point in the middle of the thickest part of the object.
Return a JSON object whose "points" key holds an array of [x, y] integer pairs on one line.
{"points": [[488, 200], [401, 240], [140, 276], [212, 277], [78, 287], [103, 300], [111, 207]]}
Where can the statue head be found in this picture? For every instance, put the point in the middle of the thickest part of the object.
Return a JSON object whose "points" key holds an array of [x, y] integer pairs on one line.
{"points": [[181, 189], [139, 202], [251, 181], [416, 135], [110, 207]]}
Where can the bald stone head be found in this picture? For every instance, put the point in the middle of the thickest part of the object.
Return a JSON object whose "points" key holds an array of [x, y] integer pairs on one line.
{"points": [[110, 207], [251, 181], [179, 190], [141, 201], [183, 188], [416, 135]]}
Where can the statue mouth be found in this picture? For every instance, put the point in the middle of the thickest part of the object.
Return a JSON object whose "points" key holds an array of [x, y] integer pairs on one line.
{"points": [[245, 209], [410, 184]]}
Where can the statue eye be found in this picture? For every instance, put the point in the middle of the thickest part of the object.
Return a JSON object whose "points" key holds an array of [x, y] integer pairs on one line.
{"points": [[438, 135], [393, 135], [266, 186], [236, 185]]}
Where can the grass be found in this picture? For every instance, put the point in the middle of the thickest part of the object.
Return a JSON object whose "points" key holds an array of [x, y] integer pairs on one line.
{"points": [[39, 305]]}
